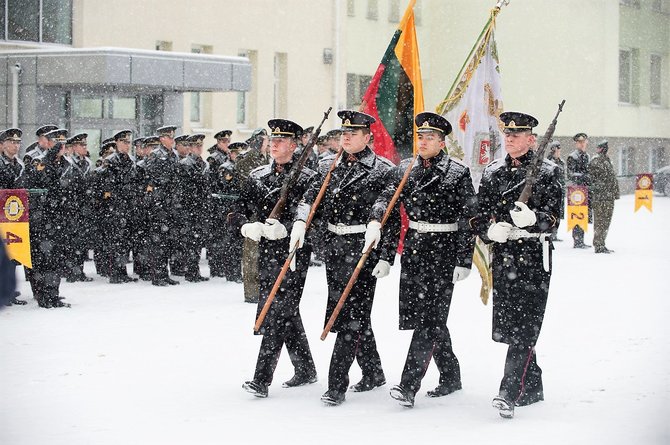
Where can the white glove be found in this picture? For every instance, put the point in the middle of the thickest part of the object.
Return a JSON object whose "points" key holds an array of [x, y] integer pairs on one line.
{"points": [[373, 234], [253, 231], [297, 236], [460, 273], [381, 269], [499, 232], [523, 217], [273, 229]]}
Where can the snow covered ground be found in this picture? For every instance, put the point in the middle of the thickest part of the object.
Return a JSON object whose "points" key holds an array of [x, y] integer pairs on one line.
{"points": [[136, 364]]}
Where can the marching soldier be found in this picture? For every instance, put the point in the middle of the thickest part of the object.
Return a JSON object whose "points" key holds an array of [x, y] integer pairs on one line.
{"points": [[219, 152], [355, 183], [77, 207], [283, 324], [440, 200], [11, 169], [604, 191], [139, 237], [521, 237], [578, 174], [42, 144], [161, 173]]}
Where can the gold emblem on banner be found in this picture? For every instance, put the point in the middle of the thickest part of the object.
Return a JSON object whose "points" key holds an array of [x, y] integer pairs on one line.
{"points": [[14, 208]]}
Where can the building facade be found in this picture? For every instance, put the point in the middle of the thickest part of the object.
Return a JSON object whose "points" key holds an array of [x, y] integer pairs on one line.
{"points": [[609, 59]]}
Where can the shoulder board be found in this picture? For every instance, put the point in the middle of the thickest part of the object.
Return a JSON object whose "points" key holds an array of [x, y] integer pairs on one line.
{"points": [[261, 171]]}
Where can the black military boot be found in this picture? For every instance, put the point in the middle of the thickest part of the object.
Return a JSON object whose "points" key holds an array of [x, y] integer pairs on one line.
{"points": [[172, 282], [444, 389], [58, 302], [18, 302], [505, 407], [404, 396], [256, 388], [299, 380], [369, 383], [333, 398], [197, 279], [159, 283]]}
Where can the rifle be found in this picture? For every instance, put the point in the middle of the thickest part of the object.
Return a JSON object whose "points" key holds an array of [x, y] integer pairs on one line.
{"points": [[294, 249], [364, 258], [534, 170], [294, 174]]}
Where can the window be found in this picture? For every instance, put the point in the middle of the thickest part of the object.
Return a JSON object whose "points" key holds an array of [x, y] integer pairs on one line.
{"points": [[655, 76], [662, 6], [631, 3], [242, 99], [351, 10], [628, 76], [626, 160], [87, 107], [163, 45], [45, 21], [373, 10], [357, 84], [197, 99], [394, 11], [656, 158], [122, 107], [280, 81]]}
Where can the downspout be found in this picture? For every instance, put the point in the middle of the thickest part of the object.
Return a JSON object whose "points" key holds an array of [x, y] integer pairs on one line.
{"points": [[16, 70], [336, 75]]}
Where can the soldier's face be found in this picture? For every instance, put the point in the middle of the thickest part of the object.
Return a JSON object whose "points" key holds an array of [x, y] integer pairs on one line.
{"points": [[354, 141], [167, 140], [518, 143], [182, 149], [281, 149], [81, 149], [11, 148], [222, 144], [196, 148], [430, 144], [43, 142], [581, 145], [123, 146]]}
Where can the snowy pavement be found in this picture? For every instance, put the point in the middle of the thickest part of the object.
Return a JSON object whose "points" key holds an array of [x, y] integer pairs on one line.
{"points": [[136, 364]]}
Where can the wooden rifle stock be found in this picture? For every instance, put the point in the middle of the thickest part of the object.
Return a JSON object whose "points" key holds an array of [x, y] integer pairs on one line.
{"points": [[295, 171], [292, 252], [534, 170], [364, 257]]}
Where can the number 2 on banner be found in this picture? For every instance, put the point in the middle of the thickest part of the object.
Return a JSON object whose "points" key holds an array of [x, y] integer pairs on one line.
{"points": [[11, 238], [579, 215]]}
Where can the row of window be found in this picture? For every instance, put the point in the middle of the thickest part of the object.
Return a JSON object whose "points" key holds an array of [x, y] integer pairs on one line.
{"points": [[632, 162], [662, 6], [394, 11], [629, 77], [44, 21]]}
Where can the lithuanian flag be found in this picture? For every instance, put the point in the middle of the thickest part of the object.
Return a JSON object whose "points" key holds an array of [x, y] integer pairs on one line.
{"points": [[395, 93]]}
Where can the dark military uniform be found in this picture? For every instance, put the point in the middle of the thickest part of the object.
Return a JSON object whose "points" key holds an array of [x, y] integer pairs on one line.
{"points": [[355, 183], [283, 323], [10, 171], [192, 202], [47, 221], [77, 207], [161, 172], [440, 200], [140, 228], [521, 266], [604, 191], [560, 164], [98, 188], [578, 174]]}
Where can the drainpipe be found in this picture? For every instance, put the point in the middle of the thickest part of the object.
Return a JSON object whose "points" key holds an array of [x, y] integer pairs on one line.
{"points": [[16, 70], [336, 74]]}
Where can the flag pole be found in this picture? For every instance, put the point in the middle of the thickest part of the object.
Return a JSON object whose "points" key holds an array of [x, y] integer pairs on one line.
{"points": [[489, 23]]}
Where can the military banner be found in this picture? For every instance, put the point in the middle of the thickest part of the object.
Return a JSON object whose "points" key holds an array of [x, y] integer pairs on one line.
{"points": [[644, 191], [578, 208], [14, 228], [473, 107]]}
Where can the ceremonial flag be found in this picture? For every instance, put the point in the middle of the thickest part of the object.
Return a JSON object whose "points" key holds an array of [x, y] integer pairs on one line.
{"points": [[473, 106], [644, 191], [395, 93], [14, 229], [578, 208]]}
